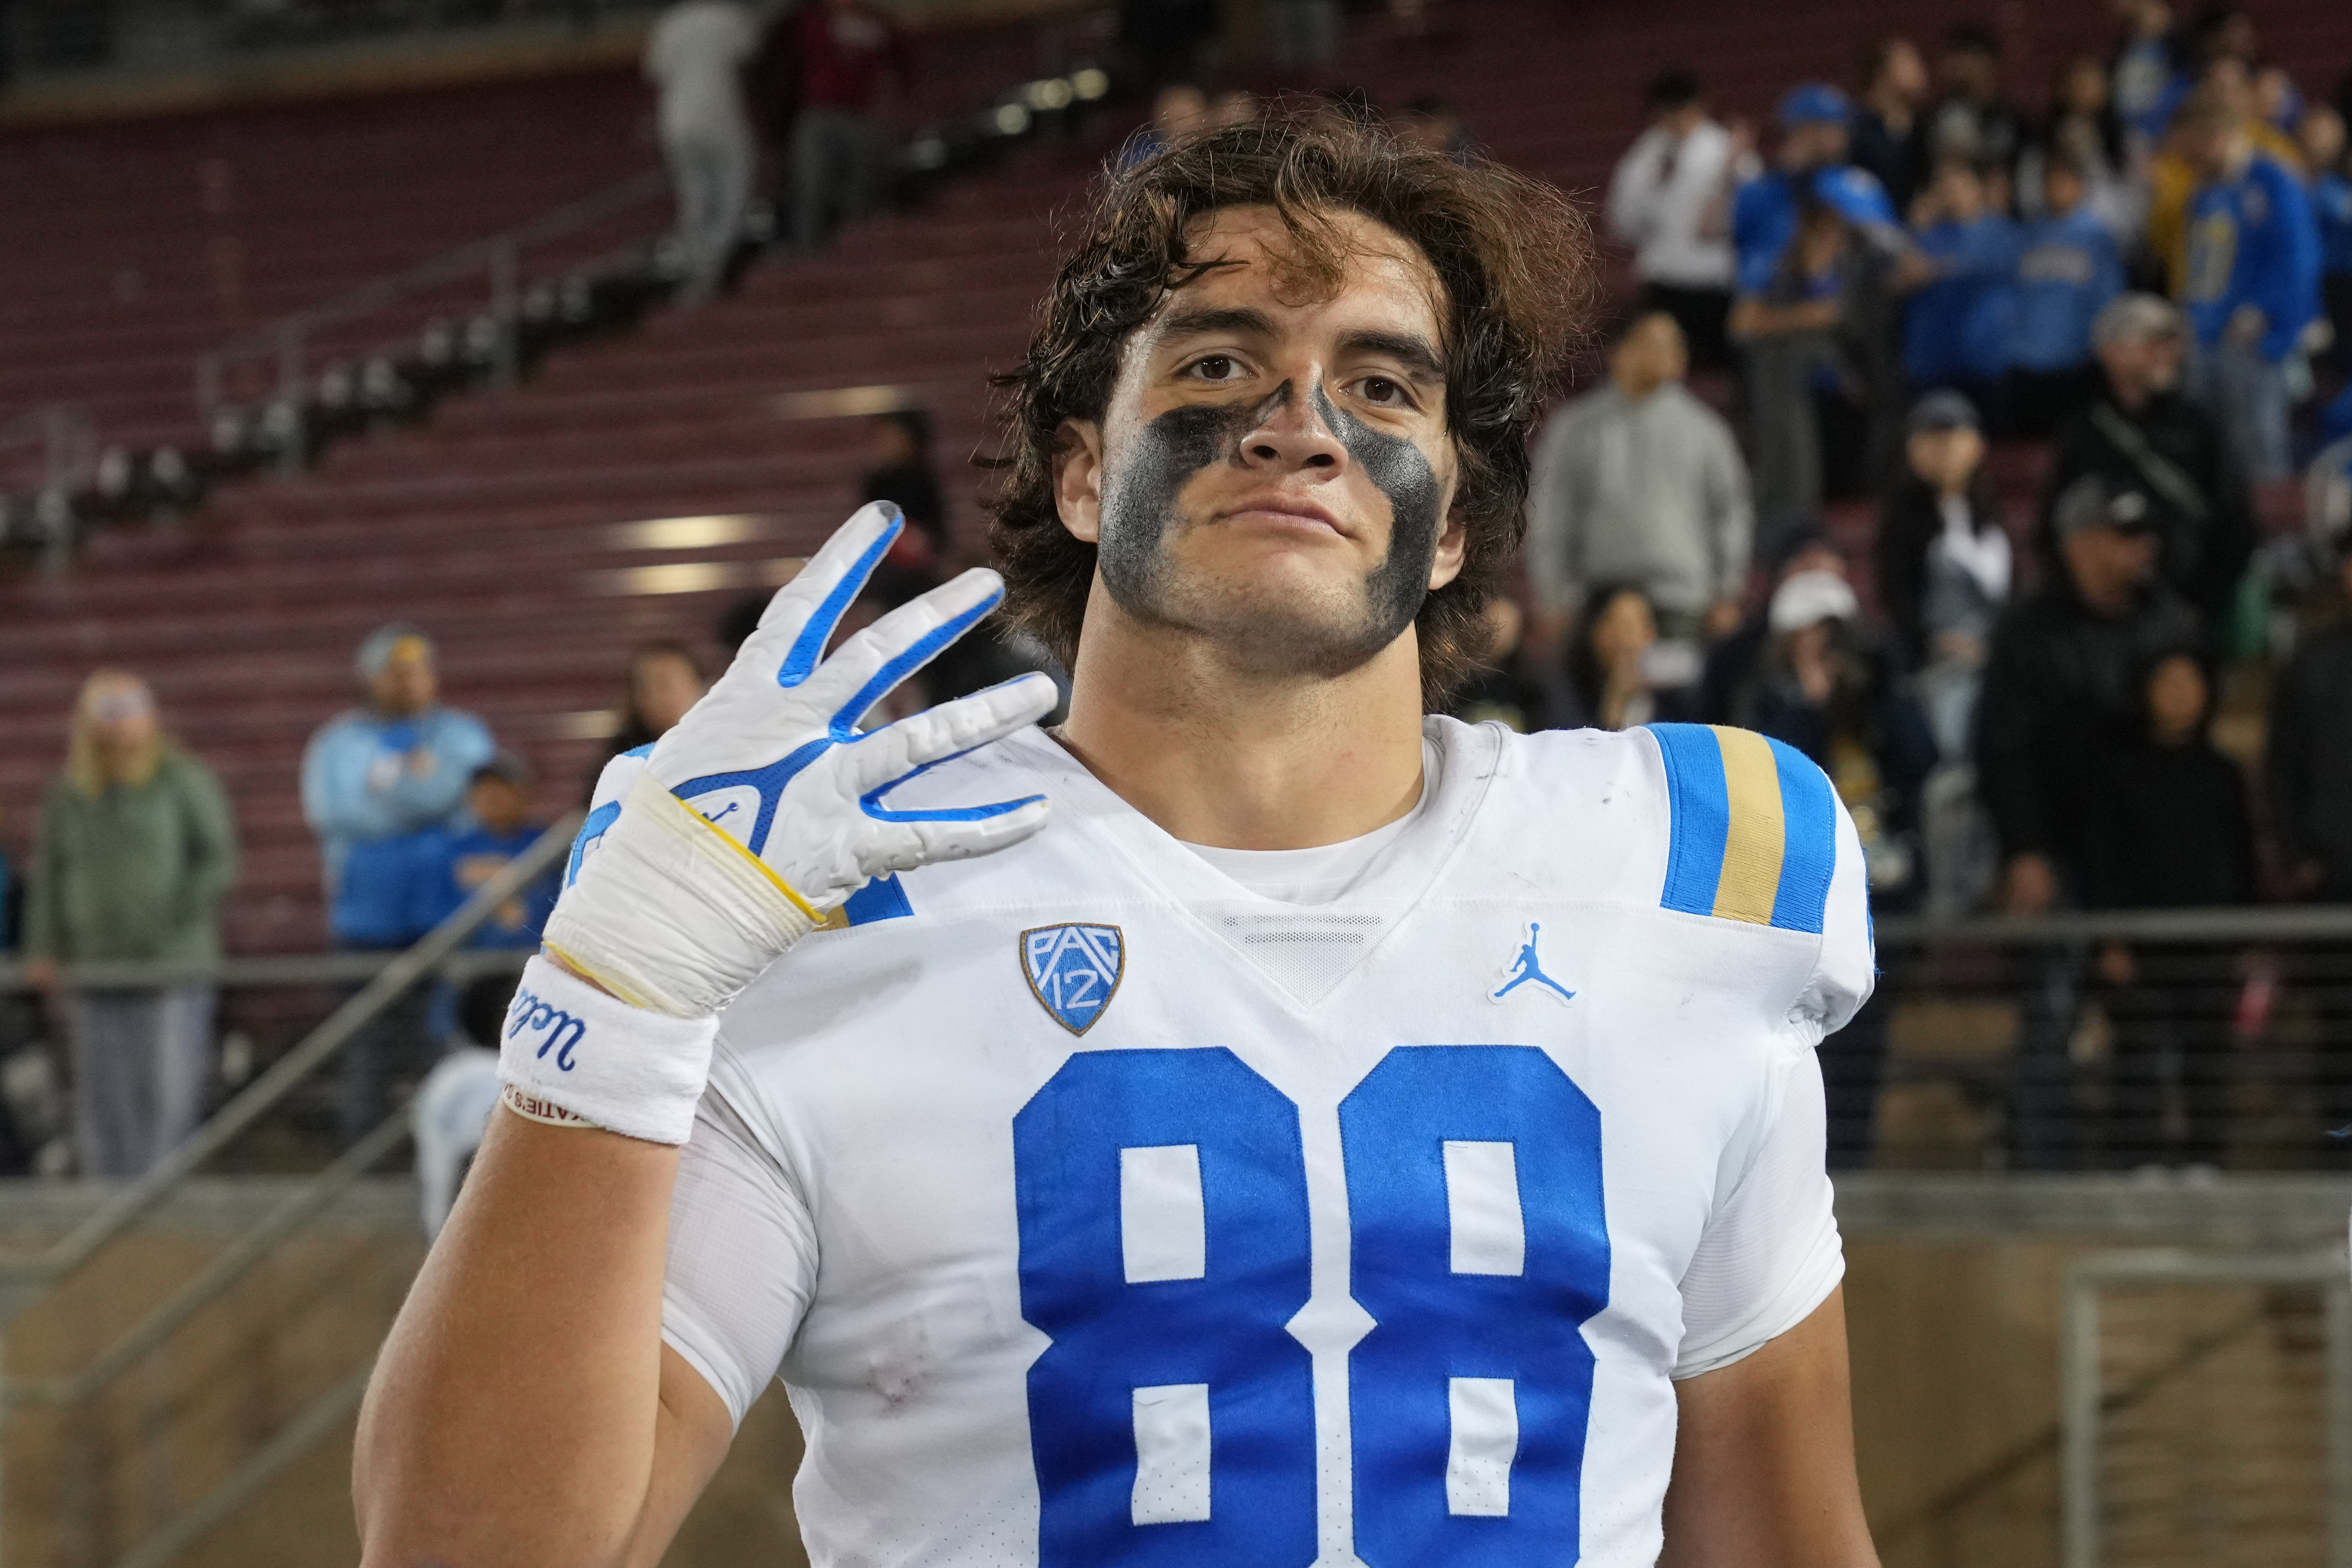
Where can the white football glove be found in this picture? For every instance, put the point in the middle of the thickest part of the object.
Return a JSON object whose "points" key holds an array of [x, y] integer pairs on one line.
{"points": [[761, 812]]}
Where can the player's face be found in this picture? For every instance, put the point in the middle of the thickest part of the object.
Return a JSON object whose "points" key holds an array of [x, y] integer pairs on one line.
{"points": [[1274, 469]]}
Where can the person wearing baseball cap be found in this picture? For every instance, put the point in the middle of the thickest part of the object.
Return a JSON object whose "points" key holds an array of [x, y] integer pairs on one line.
{"points": [[2141, 435], [2061, 687], [1825, 687], [1811, 159], [374, 778]]}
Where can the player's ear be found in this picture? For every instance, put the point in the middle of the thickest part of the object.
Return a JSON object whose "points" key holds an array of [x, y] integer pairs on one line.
{"points": [[1077, 479], [1453, 547]]}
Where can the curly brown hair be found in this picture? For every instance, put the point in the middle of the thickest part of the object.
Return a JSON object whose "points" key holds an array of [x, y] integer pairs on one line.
{"points": [[1513, 256]]}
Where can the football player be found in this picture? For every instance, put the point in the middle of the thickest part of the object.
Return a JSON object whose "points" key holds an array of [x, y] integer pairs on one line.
{"points": [[1342, 1135]]}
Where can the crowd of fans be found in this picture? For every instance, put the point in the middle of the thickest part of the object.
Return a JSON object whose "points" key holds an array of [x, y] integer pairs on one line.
{"points": [[2141, 300]]}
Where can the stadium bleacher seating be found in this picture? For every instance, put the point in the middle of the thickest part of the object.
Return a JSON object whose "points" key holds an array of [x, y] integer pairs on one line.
{"points": [[499, 525]]}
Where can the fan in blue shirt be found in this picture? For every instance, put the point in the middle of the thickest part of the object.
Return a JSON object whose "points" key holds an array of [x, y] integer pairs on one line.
{"points": [[1957, 328], [2253, 246], [1811, 156], [2252, 284], [2068, 269], [449, 865]]}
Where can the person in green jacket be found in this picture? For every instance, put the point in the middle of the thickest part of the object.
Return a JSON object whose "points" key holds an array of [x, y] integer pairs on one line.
{"points": [[134, 852]]}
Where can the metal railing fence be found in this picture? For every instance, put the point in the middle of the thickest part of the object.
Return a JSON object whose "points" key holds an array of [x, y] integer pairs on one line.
{"points": [[2102, 1040], [26, 1279], [2255, 1465]]}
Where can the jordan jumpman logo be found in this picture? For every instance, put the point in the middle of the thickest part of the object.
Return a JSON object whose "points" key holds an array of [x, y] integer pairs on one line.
{"points": [[1527, 968]]}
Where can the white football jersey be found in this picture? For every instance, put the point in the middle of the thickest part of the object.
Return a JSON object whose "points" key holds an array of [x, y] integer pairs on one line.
{"points": [[1096, 1211]]}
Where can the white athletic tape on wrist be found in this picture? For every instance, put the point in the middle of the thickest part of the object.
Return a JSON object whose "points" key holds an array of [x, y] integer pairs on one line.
{"points": [[571, 1047], [671, 913]]}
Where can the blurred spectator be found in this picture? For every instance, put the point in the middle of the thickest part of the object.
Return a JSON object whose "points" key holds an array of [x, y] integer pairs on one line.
{"points": [[1302, 36], [1620, 675], [1811, 160], [2309, 770], [1810, 239], [1889, 139], [453, 1105], [2085, 133], [1638, 482], [1814, 342], [2067, 271], [12, 895], [2063, 681], [1167, 40], [1505, 689], [737, 622], [771, 94], [1178, 109], [853, 60], [2170, 831], [2252, 284], [373, 776], [1432, 122], [373, 779], [2310, 759], [136, 851], [2144, 66], [2278, 102], [1944, 567], [1727, 663], [1824, 689], [665, 679], [2061, 685], [449, 865], [1661, 198], [1976, 121], [1234, 106], [695, 57], [1961, 318], [2141, 435], [899, 470], [2321, 133]]}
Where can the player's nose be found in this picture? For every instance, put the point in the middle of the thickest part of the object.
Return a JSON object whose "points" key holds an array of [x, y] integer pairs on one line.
{"points": [[1291, 432]]}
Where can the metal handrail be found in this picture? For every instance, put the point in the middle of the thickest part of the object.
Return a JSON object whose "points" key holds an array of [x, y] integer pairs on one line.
{"points": [[500, 255], [22, 1276]]}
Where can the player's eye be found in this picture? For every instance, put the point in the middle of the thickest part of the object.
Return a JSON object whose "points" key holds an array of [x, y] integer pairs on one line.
{"points": [[1214, 368], [1384, 392]]}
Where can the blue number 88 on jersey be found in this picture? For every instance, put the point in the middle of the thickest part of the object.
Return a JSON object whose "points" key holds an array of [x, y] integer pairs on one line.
{"points": [[1166, 1248]]}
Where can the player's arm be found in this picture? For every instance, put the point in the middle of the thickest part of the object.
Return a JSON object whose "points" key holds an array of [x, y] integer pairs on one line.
{"points": [[525, 1410], [1764, 1474]]}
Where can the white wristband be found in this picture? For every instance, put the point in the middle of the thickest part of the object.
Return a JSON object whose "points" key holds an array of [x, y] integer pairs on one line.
{"points": [[624, 1068]]}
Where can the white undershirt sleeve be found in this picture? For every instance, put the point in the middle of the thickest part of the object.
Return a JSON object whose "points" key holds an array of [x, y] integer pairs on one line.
{"points": [[742, 1257], [1770, 1254]]}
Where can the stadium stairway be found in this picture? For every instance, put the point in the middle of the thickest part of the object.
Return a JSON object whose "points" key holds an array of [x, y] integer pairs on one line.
{"points": [[524, 528]]}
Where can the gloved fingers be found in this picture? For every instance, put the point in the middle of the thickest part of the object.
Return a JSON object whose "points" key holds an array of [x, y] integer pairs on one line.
{"points": [[925, 840], [800, 620], [874, 764], [861, 671]]}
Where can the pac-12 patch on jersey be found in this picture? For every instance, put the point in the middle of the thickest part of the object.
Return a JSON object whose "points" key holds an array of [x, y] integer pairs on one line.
{"points": [[1074, 970]]}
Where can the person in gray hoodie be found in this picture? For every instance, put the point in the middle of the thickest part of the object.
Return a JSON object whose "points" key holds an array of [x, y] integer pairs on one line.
{"points": [[1638, 482]]}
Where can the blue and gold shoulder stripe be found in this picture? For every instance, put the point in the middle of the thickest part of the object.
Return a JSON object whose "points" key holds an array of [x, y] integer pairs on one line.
{"points": [[1753, 827]]}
